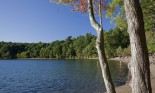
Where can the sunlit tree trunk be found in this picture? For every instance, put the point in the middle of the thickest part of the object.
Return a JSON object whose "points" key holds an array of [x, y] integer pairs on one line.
{"points": [[139, 64], [100, 49]]}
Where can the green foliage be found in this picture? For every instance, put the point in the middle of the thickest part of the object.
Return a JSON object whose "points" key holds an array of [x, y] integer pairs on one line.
{"points": [[119, 51], [116, 44], [123, 51], [113, 6], [114, 39], [120, 21], [150, 37], [22, 55], [117, 13], [148, 7], [69, 48]]}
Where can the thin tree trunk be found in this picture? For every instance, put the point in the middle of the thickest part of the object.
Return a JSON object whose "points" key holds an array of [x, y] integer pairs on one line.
{"points": [[103, 63], [100, 49], [139, 65]]}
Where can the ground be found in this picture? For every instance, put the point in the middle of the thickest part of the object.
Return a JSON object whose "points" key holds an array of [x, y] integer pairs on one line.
{"points": [[126, 88]]}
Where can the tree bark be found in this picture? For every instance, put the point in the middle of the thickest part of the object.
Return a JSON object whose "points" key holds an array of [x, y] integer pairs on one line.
{"points": [[100, 49], [103, 63], [139, 64]]}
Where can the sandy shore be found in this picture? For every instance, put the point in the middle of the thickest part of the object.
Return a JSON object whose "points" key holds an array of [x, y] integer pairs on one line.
{"points": [[126, 88]]}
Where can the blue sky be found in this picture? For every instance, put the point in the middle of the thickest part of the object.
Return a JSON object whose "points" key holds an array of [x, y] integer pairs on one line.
{"points": [[39, 20]]}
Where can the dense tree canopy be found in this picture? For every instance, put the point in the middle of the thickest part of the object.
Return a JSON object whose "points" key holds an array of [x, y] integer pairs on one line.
{"points": [[70, 48], [80, 47]]}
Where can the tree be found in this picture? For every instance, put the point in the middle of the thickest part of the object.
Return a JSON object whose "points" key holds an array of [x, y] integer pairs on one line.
{"points": [[5, 52], [57, 48], [139, 64], [119, 51], [149, 14], [79, 45], [22, 55], [83, 6], [117, 12], [114, 39], [150, 37]]}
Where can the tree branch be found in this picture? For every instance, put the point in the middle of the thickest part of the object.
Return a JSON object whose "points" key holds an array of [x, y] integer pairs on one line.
{"points": [[93, 22]]}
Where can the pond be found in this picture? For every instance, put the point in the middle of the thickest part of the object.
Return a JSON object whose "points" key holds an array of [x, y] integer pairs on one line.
{"points": [[57, 76]]}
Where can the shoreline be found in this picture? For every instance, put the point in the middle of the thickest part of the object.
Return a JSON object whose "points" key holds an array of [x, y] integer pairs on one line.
{"points": [[127, 59], [126, 88], [54, 58]]}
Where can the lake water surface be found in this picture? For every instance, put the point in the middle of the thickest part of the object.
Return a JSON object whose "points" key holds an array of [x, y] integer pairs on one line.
{"points": [[56, 76]]}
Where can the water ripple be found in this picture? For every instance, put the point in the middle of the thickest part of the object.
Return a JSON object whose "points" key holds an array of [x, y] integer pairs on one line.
{"points": [[55, 76]]}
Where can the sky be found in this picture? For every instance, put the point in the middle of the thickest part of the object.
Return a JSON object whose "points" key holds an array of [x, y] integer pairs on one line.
{"points": [[40, 21]]}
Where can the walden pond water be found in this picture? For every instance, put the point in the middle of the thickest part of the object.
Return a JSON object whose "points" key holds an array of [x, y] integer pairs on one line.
{"points": [[56, 76]]}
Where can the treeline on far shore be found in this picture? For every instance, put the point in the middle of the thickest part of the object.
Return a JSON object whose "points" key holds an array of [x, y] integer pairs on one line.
{"points": [[82, 47]]}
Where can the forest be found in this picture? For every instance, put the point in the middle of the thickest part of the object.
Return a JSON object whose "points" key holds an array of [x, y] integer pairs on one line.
{"points": [[82, 47], [116, 41]]}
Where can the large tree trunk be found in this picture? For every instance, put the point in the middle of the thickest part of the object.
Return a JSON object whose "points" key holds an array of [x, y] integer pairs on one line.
{"points": [[100, 49], [139, 64]]}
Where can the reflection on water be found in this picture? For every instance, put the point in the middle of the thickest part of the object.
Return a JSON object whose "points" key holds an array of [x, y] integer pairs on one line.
{"points": [[56, 76]]}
